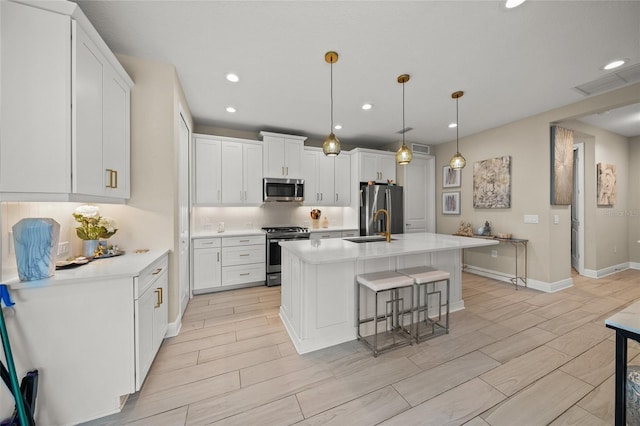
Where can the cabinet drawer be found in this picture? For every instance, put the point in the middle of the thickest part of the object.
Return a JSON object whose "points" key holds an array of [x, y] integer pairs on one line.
{"points": [[206, 243], [353, 233], [243, 255], [243, 241], [241, 274], [323, 235], [149, 275]]}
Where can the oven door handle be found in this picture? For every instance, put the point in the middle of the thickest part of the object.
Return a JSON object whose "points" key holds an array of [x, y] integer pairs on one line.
{"points": [[277, 240]]}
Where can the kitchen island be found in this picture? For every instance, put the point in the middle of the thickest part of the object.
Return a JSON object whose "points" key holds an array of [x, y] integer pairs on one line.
{"points": [[318, 280]]}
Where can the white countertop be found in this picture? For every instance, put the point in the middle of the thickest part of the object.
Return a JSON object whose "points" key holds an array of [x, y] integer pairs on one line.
{"points": [[229, 233], [338, 250], [125, 266], [627, 319]]}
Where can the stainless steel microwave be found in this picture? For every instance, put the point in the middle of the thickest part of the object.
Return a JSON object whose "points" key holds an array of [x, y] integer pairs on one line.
{"points": [[283, 189]]}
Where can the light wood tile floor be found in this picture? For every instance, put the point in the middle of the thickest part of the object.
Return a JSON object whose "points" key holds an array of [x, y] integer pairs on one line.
{"points": [[511, 358]]}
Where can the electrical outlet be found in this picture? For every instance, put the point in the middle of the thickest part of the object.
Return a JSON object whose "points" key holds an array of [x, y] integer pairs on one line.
{"points": [[63, 248], [531, 218], [494, 253], [556, 219]]}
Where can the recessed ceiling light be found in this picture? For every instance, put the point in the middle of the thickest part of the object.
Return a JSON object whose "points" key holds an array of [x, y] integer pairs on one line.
{"points": [[231, 109], [338, 126], [233, 77], [453, 125], [614, 64], [367, 106], [510, 4]]}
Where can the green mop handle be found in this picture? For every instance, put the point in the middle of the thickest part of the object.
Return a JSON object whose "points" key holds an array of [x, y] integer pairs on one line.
{"points": [[22, 414]]}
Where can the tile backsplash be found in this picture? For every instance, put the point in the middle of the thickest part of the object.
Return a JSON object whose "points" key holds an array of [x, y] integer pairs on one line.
{"points": [[270, 214]]}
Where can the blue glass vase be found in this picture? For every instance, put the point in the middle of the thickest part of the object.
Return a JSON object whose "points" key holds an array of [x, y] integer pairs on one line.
{"points": [[36, 244]]}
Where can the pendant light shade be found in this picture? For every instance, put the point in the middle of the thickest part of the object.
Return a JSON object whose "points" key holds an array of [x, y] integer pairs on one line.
{"points": [[457, 161], [331, 145], [403, 155]]}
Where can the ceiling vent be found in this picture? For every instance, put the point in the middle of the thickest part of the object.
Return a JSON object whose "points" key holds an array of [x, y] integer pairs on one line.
{"points": [[611, 81], [421, 149]]}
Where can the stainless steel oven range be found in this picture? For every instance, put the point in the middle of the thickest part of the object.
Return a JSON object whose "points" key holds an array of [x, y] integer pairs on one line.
{"points": [[275, 234]]}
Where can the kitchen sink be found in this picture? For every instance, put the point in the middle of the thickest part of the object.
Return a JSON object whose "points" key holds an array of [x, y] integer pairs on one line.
{"points": [[371, 239]]}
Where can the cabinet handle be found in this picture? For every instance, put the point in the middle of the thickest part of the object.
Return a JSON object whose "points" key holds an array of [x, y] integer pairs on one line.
{"points": [[321, 196], [246, 273], [317, 196], [159, 297], [207, 243], [336, 196], [113, 178], [244, 241], [245, 195], [157, 271], [218, 256], [287, 170], [283, 171], [243, 254]]}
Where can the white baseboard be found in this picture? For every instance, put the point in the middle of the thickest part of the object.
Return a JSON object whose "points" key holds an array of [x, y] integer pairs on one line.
{"points": [[174, 328], [531, 283], [634, 265], [599, 273]]}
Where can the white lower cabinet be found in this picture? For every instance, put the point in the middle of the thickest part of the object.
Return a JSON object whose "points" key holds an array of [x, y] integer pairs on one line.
{"points": [[207, 264], [334, 234], [228, 261], [151, 315], [92, 336]]}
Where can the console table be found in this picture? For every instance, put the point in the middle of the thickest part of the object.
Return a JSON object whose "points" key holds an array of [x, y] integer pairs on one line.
{"points": [[517, 243], [626, 323]]}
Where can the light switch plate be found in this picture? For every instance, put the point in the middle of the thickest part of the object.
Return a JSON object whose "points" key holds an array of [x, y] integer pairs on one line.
{"points": [[556, 219], [531, 218]]}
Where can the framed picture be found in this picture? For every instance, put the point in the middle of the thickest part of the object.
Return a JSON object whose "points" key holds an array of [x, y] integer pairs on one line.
{"points": [[451, 202], [606, 184], [450, 177], [492, 183], [561, 166]]}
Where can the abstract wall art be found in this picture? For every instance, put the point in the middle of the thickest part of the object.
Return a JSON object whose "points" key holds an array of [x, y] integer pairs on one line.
{"points": [[451, 202], [561, 166], [450, 177], [492, 183], [606, 184]]}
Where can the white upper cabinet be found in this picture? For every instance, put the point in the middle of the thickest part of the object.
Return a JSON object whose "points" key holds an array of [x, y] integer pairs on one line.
{"points": [[282, 156], [53, 59], [377, 166], [207, 160], [342, 180], [228, 171], [327, 180]]}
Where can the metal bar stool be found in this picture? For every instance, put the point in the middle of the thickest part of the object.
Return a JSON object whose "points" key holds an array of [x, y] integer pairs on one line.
{"points": [[395, 311], [423, 277]]}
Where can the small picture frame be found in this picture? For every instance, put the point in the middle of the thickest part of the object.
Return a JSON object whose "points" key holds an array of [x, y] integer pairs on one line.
{"points": [[451, 202], [450, 177]]}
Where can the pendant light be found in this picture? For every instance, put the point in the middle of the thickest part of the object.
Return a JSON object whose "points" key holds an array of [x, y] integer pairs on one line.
{"points": [[331, 145], [457, 161], [403, 156]]}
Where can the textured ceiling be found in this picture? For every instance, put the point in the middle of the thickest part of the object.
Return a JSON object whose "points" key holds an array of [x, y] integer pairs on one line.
{"points": [[510, 63]]}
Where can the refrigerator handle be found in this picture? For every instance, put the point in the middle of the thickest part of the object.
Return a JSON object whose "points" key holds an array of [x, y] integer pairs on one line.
{"points": [[361, 198]]}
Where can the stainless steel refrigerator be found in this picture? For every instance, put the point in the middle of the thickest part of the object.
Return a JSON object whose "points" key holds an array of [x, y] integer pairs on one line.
{"points": [[375, 197]]}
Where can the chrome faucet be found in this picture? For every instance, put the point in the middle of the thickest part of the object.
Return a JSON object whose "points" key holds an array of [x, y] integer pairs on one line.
{"points": [[386, 234]]}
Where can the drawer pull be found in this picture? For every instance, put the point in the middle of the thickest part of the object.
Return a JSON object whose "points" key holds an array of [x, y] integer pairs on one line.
{"points": [[244, 241], [207, 243], [157, 271], [244, 274], [244, 254], [158, 292]]}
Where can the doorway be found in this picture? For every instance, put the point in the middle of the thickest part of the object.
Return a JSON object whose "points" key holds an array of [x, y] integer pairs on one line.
{"points": [[184, 260], [577, 209]]}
